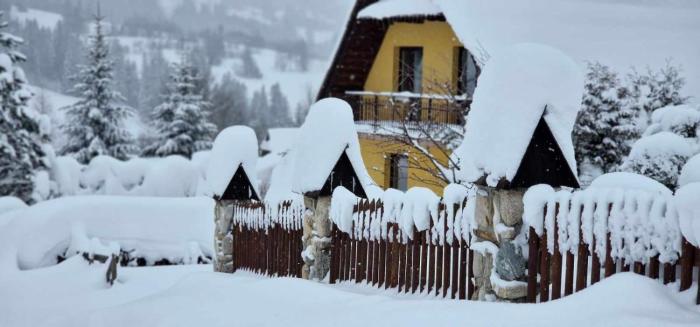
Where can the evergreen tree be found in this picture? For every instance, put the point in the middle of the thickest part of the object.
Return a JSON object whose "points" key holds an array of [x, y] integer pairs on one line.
{"points": [[181, 121], [278, 113], [21, 153], [258, 112], [605, 127], [655, 90], [154, 78], [95, 124], [249, 69], [229, 103]]}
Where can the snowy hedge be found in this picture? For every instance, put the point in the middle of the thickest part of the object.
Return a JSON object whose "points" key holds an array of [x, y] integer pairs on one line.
{"points": [[178, 230]]}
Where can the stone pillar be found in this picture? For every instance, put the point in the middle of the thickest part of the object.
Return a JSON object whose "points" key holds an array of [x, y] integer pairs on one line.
{"points": [[498, 217], [317, 238], [223, 240]]}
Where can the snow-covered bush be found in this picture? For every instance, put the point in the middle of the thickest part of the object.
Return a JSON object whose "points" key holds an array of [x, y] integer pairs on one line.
{"points": [[152, 229], [690, 172], [683, 120], [660, 157]]}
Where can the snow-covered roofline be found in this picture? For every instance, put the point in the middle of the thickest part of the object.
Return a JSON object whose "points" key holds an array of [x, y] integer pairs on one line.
{"points": [[399, 8], [234, 147]]}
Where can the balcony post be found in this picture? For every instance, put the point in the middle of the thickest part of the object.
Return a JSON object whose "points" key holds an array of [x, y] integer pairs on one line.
{"points": [[376, 109]]}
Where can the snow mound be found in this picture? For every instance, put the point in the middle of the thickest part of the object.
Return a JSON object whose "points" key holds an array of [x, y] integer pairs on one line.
{"points": [[234, 146], [516, 88], [690, 172], [327, 132], [153, 228], [683, 120], [688, 206], [10, 203], [399, 8], [159, 181], [663, 144], [629, 181]]}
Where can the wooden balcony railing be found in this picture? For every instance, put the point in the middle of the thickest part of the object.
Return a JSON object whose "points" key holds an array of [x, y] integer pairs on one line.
{"points": [[384, 108]]}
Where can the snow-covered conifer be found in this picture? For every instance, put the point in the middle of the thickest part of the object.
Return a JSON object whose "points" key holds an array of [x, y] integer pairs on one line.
{"points": [[181, 122], [21, 152], [95, 125], [655, 90], [278, 114], [605, 128]]}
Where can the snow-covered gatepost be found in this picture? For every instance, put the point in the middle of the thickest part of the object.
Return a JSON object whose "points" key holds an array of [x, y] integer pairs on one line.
{"points": [[518, 134], [230, 178], [327, 155]]}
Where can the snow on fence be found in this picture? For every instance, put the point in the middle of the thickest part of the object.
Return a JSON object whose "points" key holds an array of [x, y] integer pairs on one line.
{"points": [[575, 238], [268, 239], [391, 245]]}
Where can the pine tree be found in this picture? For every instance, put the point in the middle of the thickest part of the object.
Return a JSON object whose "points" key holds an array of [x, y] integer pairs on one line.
{"points": [[278, 113], [229, 103], [605, 127], [249, 69], [259, 108], [655, 90], [95, 124], [21, 153], [181, 121]]}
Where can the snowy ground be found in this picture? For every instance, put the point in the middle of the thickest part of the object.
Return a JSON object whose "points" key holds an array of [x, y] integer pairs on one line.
{"points": [[73, 294]]}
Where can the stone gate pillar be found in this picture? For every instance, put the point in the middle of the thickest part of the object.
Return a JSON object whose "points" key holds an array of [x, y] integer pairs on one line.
{"points": [[317, 238]]}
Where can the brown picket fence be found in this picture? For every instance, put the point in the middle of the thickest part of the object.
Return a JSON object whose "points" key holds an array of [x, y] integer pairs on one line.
{"points": [[267, 244], [429, 261], [561, 272]]}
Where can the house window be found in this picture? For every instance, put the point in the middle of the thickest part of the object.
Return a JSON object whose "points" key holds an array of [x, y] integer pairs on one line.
{"points": [[398, 172], [410, 69], [467, 72]]}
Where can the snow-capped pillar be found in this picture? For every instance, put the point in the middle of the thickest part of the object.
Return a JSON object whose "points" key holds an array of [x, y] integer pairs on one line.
{"points": [[499, 274], [223, 240], [317, 238]]}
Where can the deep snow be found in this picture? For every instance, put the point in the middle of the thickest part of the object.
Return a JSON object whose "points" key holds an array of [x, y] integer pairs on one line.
{"points": [[73, 294]]}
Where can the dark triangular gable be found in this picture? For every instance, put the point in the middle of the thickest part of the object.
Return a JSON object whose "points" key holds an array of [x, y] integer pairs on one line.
{"points": [[240, 188], [544, 162], [343, 174]]}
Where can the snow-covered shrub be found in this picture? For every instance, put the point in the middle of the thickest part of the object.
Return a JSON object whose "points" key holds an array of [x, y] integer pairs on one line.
{"points": [[173, 176], [606, 126], [683, 120], [660, 157], [690, 172]]}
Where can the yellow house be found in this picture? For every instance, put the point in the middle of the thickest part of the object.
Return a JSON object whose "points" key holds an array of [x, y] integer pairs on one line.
{"points": [[409, 81]]}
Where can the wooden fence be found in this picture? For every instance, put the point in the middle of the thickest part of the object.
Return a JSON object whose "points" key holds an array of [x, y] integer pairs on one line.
{"points": [[267, 242], [381, 254], [561, 272]]}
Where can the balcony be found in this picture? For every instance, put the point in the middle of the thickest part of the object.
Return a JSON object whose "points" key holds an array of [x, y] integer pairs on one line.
{"points": [[392, 110]]}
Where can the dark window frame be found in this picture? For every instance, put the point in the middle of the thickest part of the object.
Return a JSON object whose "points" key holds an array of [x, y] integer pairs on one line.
{"points": [[410, 75], [467, 72], [396, 178]]}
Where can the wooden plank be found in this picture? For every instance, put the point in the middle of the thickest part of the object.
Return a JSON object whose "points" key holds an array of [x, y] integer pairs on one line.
{"points": [[544, 267], [462, 269], [595, 264], [395, 256], [402, 262], [423, 260], [415, 271], [654, 267], [432, 256], [446, 260], [470, 274], [582, 262], [556, 260], [455, 268], [532, 264], [610, 265], [353, 258], [408, 271], [569, 276], [687, 262]]}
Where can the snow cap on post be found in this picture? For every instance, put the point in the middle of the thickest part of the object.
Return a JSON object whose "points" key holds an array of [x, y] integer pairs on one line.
{"points": [[519, 88], [235, 147], [327, 133], [686, 202]]}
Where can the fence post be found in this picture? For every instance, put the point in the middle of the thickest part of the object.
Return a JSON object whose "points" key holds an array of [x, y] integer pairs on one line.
{"points": [[335, 259]]}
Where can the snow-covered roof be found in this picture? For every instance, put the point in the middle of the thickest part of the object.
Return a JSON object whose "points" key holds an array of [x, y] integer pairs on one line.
{"points": [[279, 140], [329, 130], [234, 146], [399, 8], [603, 30], [516, 89]]}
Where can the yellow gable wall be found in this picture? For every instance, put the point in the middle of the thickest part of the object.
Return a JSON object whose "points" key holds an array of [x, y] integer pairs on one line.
{"points": [[377, 149], [438, 42]]}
